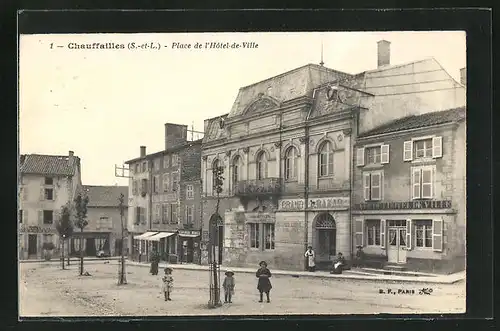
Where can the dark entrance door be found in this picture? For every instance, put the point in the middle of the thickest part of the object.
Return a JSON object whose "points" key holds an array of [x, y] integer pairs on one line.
{"points": [[90, 249], [32, 244]]}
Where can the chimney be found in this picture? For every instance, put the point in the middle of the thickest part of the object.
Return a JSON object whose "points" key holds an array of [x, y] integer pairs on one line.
{"points": [[175, 135], [143, 151], [71, 158], [463, 76], [383, 53]]}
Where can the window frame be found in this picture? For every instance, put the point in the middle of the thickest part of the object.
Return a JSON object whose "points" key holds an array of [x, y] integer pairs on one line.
{"points": [[189, 189], [49, 181], [426, 149], [261, 166], [368, 158], [424, 226], [369, 174], [236, 169], [328, 163], [257, 236], [420, 170], [45, 212], [290, 164], [254, 236], [373, 227], [189, 214], [46, 195]]}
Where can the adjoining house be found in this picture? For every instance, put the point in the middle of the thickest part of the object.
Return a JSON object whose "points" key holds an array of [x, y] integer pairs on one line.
{"points": [[46, 183], [287, 148], [104, 229], [409, 192], [165, 201]]}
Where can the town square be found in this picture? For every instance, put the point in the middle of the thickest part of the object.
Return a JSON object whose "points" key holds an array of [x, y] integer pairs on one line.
{"points": [[259, 183]]}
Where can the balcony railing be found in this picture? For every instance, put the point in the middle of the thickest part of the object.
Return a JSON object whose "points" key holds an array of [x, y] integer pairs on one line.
{"points": [[258, 187]]}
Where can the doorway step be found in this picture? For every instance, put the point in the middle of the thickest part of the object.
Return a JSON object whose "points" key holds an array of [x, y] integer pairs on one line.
{"points": [[390, 271]]}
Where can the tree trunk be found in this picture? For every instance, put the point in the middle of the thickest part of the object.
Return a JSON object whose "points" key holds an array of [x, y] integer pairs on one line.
{"points": [[62, 254], [81, 253]]}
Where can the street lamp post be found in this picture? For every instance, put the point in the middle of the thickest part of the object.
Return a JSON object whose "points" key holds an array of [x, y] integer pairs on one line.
{"points": [[214, 264], [122, 277]]}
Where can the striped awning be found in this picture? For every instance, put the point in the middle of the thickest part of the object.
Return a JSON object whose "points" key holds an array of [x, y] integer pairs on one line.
{"points": [[159, 236], [145, 235]]}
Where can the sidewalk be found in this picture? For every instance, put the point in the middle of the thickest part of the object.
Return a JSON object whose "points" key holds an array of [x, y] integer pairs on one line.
{"points": [[72, 259], [349, 274]]}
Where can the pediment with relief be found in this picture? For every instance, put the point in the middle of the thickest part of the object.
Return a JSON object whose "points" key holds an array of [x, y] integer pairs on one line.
{"points": [[261, 104], [329, 100]]}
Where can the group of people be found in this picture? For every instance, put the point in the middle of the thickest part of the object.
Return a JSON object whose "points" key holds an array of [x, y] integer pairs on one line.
{"points": [[337, 266], [263, 285]]}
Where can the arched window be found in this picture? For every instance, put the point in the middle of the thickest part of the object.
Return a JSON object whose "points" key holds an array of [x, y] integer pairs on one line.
{"points": [[325, 159], [291, 163], [215, 165], [236, 169], [261, 165]]}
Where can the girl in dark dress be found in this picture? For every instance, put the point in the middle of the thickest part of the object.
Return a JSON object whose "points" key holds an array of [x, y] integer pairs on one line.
{"points": [[264, 284]]}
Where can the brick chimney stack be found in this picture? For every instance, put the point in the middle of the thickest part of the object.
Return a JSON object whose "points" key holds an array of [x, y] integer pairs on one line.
{"points": [[463, 76], [175, 135], [383, 53], [71, 158], [143, 151]]}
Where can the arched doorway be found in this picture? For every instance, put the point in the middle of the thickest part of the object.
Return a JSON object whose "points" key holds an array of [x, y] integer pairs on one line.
{"points": [[325, 243]]}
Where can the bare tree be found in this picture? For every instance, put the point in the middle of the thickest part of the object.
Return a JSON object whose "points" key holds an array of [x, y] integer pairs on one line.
{"points": [[64, 227], [81, 203]]}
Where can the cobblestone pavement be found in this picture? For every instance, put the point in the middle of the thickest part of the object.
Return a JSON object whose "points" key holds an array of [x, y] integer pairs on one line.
{"points": [[46, 290]]}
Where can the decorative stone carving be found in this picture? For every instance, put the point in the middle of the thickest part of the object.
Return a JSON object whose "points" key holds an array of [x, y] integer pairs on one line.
{"points": [[311, 142], [228, 153], [272, 148], [340, 137], [347, 132], [246, 150], [261, 104], [277, 144], [303, 140], [204, 157]]}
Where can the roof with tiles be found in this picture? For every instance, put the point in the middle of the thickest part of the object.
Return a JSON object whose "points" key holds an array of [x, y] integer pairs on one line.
{"points": [[419, 121], [48, 164], [105, 196]]}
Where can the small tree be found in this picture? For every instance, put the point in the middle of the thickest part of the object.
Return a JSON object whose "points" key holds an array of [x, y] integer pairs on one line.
{"points": [[64, 227], [81, 203]]}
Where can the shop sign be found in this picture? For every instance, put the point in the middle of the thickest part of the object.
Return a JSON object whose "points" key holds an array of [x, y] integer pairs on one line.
{"points": [[36, 229], [260, 217], [436, 204], [332, 203], [189, 233]]}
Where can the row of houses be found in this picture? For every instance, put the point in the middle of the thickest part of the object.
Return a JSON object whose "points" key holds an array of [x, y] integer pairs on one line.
{"points": [[315, 156], [46, 184]]}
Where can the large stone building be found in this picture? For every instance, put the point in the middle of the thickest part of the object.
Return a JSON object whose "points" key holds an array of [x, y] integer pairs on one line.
{"points": [[410, 189], [165, 201], [287, 150], [104, 228], [46, 183]]}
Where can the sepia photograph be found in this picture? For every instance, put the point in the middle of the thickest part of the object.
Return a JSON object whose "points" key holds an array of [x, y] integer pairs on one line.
{"points": [[257, 173]]}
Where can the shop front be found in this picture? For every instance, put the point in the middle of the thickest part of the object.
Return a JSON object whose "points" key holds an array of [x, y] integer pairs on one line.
{"points": [[327, 226], [417, 235], [91, 243], [32, 238], [162, 242], [189, 246], [141, 247]]}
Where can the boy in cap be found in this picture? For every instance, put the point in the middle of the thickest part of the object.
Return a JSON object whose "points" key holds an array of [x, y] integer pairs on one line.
{"points": [[228, 286], [167, 283]]}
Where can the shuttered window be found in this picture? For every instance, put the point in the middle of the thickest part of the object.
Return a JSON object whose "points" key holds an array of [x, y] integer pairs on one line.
{"points": [[358, 232], [373, 185], [437, 235], [422, 182]]}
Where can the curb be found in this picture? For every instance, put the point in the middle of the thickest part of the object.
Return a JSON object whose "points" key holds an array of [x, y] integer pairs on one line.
{"points": [[375, 278], [71, 260]]}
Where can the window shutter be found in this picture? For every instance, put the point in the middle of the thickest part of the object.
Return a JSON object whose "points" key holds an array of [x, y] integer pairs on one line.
{"points": [[42, 194], [54, 194], [415, 183], [382, 233], [384, 154], [40, 216], [408, 151], [437, 147], [25, 216], [376, 178], [160, 183], [366, 185], [408, 234], [437, 235], [360, 157], [25, 193], [359, 230]]}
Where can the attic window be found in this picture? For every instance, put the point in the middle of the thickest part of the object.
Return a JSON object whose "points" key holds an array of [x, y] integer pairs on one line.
{"points": [[49, 181]]}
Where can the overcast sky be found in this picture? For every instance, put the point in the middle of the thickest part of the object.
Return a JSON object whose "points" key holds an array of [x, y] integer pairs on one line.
{"points": [[104, 104]]}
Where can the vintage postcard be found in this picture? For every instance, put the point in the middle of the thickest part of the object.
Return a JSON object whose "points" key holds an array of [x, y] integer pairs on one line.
{"points": [[171, 174]]}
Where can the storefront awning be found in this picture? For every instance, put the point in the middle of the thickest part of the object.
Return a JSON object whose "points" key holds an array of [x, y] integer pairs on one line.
{"points": [[145, 235], [188, 235], [159, 236]]}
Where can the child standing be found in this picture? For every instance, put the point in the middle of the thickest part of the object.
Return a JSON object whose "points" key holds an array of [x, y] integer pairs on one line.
{"points": [[228, 286], [167, 284]]}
